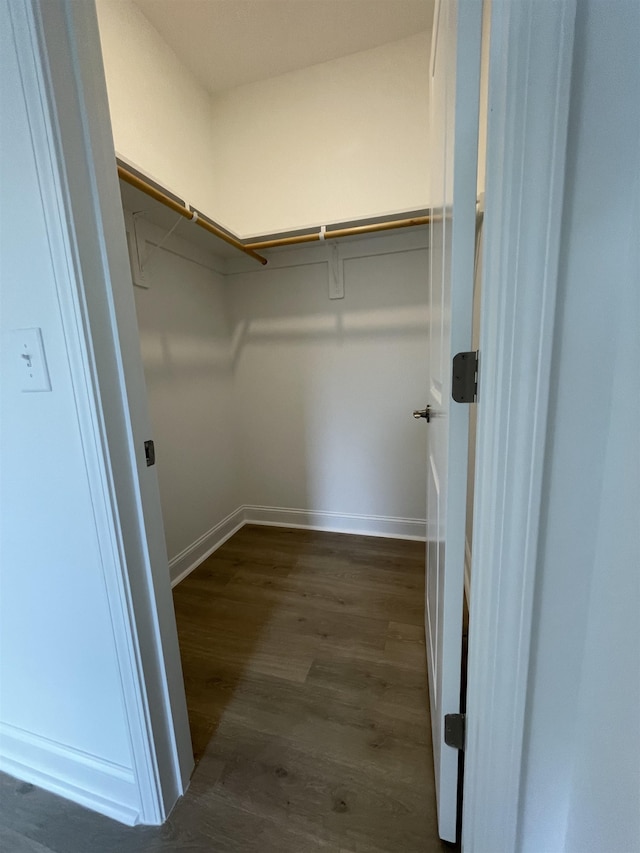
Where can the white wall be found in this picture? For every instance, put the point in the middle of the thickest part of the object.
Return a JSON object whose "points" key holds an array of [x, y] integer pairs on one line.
{"points": [[265, 393], [185, 342], [61, 701], [325, 389], [160, 114], [581, 787], [342, 140]]}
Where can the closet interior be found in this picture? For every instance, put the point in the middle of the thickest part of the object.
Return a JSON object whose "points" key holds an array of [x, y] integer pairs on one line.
{"points": [[282, 365], [278, 236], [281, 392]]}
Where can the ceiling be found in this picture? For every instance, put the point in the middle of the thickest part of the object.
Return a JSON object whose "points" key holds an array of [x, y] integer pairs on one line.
{"points": [[227, 43]]}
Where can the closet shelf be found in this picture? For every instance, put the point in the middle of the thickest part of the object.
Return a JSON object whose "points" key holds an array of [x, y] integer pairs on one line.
{"points": [[139, 183], [274, 241]]}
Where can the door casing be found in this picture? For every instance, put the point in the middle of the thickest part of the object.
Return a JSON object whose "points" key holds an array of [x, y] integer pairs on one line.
{"points": [[58, 47], [530, 66]]}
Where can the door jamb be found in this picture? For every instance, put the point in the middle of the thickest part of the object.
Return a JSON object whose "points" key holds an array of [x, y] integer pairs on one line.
{"points": [[531, 56], [65, 92]]}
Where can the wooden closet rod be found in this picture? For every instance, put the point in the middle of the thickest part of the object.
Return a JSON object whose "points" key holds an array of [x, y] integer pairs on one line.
{"points": [[151, 191], [340, 232]]}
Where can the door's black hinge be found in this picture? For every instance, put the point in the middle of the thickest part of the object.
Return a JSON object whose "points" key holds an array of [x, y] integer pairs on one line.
{"points": [[464, 377], [150, 453], [454, 730]]}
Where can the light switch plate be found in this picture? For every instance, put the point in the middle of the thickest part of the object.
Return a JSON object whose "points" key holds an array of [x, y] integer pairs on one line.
{"points": [[28, 350]]}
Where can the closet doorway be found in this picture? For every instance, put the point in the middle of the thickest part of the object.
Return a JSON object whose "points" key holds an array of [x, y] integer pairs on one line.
{"points": [[281, 397], [302, 649]]}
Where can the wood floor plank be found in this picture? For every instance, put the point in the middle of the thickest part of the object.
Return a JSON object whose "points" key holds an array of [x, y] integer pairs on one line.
{"points": [[279, 659], [406, 633], [222, 616], [304, 663], [17, 843], [348, 599], [343, 807]]}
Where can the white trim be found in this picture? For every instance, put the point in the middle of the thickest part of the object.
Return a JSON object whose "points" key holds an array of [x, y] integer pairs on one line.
{"points": [[337, 522], [31, 34], [66, 99], [190, 557], [386, 527], [467, 571], [163, 747], [86, 779], [529, 86]]}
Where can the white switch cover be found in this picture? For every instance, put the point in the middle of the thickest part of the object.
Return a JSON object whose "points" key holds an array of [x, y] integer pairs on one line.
{"points": [[28, 349]]}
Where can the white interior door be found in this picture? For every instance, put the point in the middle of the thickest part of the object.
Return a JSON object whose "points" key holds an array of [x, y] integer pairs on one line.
{"points": [[455, 86]]}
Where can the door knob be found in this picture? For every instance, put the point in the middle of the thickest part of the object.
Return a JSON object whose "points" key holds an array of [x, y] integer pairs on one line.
{"points": [[423, 413]]}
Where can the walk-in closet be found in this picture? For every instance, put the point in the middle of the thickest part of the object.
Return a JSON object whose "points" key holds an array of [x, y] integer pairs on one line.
{"points": [[277, 211], [278, 218]]}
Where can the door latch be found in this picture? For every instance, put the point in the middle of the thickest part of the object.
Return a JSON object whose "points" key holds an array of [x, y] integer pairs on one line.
{"points": [[423, 413], [150, 453]]}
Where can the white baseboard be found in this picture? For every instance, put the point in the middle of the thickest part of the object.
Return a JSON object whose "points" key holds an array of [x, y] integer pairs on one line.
{"points": [[269, 516], [191, 557], [85, 779], [364, 525], [467, 571]]}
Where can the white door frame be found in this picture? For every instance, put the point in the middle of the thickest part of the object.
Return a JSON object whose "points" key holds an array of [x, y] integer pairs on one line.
{"points": [[65, 93], [531, 57]]}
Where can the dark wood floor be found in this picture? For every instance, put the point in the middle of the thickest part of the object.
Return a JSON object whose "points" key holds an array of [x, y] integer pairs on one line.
{"points": [[304, 666]]}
